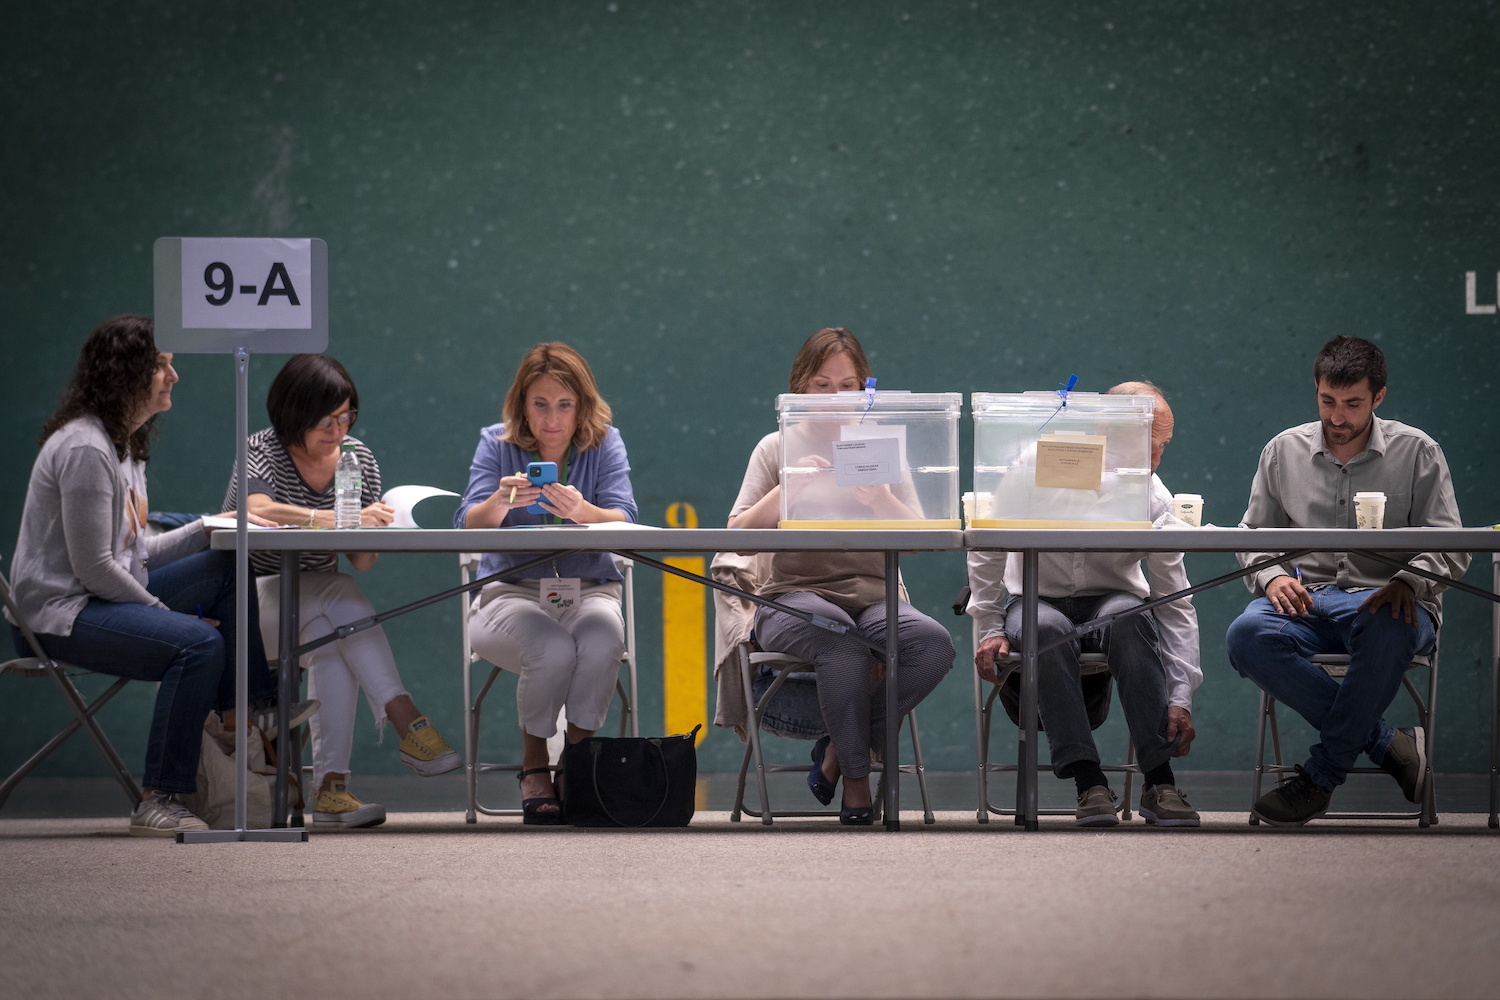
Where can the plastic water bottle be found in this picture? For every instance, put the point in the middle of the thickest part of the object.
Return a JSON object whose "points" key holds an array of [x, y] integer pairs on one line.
{"points": [[347, 483]]}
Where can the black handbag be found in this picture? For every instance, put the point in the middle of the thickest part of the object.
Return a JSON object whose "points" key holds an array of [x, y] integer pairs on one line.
{"points": [[630, 781]]}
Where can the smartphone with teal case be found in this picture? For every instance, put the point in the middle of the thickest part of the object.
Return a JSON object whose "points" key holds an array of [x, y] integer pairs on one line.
{"points": [[540, 474]]}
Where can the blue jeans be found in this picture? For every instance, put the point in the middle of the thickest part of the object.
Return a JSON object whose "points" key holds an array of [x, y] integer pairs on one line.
{"points": [[1134, 655], [1272, 649], [192, 660]]}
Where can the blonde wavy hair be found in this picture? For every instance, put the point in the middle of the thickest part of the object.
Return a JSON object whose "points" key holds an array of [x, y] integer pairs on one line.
{"points": [[568, 367]]}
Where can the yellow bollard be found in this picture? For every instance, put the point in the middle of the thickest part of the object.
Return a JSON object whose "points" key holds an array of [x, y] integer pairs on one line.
{"points": [[684, 630]]}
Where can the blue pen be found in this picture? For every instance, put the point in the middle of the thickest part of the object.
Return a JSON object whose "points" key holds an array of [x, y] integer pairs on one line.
{"points": [[200, 612], [1298, 571]]}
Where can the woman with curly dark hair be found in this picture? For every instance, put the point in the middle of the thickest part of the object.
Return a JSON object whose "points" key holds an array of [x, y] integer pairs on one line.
{"points": [[102, 593]]}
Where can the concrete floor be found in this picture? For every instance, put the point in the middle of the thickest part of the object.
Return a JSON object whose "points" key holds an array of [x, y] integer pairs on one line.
{"points": [[428, 906]]}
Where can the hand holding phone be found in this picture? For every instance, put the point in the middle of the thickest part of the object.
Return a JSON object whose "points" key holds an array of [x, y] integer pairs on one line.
{"points": [[539, 474]]}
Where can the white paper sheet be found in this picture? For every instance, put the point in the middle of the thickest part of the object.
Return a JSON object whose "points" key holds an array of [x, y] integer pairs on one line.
{"points": [[404, 498], [865, 432], [872, 462], [218, 521]]}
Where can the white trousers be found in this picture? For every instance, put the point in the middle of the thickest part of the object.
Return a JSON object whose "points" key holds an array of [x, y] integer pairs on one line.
{"points": [[570, 663], [337, 671]]}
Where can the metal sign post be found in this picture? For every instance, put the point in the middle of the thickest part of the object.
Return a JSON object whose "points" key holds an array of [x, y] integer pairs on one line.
{"points": [[232, 296]]}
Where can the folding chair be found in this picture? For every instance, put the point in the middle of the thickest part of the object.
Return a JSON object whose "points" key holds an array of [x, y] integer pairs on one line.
{"points": [[42, 665], [789, 669], [468, 567], [1092, 663], [1336, 665]]}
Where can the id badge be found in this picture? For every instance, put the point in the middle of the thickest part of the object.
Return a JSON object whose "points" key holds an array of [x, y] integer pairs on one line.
{"points": [[559, 594]]}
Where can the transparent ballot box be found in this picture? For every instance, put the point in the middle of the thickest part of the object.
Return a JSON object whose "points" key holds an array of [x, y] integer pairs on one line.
{"points": [[1038, 464], [869, 460]]}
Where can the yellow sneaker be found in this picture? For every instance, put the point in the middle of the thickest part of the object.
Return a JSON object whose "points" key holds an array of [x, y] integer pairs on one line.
{"points": [[425, 751], [337, 808]]}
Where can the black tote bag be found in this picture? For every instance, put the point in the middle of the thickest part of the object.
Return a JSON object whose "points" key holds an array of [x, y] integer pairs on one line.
{"points": [[630, 781]]}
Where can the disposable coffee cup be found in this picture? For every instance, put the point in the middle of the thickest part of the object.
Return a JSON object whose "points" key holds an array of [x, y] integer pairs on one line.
{"points": [[1369, 510], [1188, 507]]}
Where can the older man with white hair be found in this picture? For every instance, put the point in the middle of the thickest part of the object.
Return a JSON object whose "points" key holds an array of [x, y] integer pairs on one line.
{"points": [[1153, 655]]}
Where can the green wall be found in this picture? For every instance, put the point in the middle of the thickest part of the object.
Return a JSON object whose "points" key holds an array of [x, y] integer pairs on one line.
{"points": [[991, 195]]}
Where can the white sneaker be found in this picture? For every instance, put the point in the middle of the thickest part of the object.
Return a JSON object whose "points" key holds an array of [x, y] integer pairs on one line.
{"points": [[162, 816]]}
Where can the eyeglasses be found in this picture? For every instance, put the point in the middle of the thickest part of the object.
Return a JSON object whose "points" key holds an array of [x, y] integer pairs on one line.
{"points": [[345, 420]]}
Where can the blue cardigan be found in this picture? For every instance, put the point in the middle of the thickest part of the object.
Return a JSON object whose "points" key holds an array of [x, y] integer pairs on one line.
{"points": [[601, 474]]}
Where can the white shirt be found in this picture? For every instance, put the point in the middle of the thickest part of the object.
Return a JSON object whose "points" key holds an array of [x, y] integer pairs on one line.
{"points": [[994, 575]]}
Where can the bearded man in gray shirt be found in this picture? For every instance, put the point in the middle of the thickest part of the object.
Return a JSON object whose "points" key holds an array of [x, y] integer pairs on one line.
{"points": [[1342, 602]]}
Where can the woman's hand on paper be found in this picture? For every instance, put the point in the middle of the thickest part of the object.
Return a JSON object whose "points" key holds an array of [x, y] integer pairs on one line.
{"points": [[250, 518], [377, 515], [796, 483]]}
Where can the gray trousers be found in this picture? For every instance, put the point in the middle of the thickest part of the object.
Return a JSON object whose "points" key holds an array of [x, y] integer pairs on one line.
{"points": [[853, 702], [1131, 646]]}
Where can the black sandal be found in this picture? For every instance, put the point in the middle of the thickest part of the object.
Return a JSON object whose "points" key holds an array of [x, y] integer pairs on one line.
{"points": [[532, 813]]}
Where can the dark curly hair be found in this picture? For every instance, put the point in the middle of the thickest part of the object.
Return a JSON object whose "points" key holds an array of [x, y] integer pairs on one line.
{"points": [[111, 378]]}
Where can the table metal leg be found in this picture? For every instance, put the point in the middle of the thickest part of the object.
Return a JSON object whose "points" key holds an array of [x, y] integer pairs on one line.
{"points": [[1030, 561], [287, 685], [892, 764]]}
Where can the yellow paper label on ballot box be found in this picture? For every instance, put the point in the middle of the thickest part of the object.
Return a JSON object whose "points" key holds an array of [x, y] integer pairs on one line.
{"points": [[1070, 461]]}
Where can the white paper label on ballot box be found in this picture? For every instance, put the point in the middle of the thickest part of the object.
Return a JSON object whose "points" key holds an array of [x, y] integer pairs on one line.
{"points": [[240, 284], [872, 462]]}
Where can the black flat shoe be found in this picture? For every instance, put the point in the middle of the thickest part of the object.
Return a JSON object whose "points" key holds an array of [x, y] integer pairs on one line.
{"points": [[856, 815], [817, 783], [533, 811]]}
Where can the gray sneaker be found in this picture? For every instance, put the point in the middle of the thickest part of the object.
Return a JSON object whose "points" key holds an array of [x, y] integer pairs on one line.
{"points": [[1164, 805], [162, 816], [1406, 761], [1293, 802], [1097, 807]]}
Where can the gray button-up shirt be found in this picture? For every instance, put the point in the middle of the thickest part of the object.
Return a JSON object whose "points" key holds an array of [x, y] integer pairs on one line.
{"points": [[992, 575], [1299, 485]]}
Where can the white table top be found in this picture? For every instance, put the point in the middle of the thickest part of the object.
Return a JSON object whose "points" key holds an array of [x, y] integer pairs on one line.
{"points": [[650, 539], [606, 539], [1233, 539]]}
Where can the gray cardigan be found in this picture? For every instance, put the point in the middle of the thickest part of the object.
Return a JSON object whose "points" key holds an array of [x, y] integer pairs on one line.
{"points": [[72, 545]]}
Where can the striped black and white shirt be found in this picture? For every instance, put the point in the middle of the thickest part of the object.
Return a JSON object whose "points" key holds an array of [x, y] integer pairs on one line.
{"points": [[272, 472]]}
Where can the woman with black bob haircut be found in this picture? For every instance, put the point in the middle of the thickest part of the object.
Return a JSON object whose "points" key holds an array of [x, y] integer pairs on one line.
{"points": [[101, 592], [313, 404]]}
